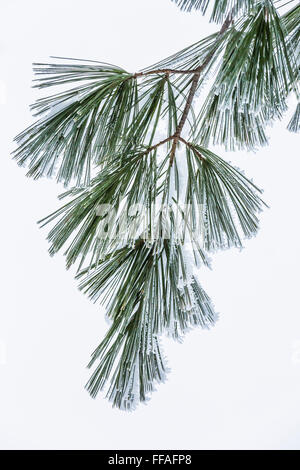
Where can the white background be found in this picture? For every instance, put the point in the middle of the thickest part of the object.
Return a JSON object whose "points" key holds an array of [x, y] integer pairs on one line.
{"points": [[234, 387]]}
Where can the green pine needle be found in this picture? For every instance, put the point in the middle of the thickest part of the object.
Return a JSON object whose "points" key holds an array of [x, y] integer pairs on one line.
{"points": [[220, 8], [294, 124], [252, 85]]}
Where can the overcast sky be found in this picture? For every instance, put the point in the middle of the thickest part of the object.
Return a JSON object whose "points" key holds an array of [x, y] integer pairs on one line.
{"points": [[234, 387]]}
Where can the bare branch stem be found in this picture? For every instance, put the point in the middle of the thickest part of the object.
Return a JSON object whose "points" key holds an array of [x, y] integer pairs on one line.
{"points": [[176, 137], [153, 147], [168, 71], [193, 89], [191, 146]]}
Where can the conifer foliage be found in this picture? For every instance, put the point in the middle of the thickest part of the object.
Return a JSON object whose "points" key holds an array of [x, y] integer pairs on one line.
{"points": [[146, 197]]}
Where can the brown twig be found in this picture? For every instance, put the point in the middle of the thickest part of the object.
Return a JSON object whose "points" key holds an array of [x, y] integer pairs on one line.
{"points": [[179, 139], [193, 89], [191, 146], [176, 137], [168, 71], [153, 147]]}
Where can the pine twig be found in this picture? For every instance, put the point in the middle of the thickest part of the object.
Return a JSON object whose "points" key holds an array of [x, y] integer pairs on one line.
{"points": [[193, 89]]}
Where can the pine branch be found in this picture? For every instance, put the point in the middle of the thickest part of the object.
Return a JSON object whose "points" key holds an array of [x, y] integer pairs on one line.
{"points": [[193, 89], [250, 91], [139, 217]]}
